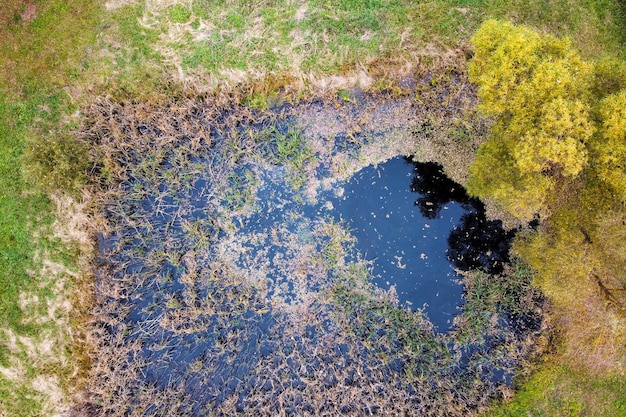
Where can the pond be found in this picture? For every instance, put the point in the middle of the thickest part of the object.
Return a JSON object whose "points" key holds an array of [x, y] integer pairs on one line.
{"points": [[412, 224], [408, 250], [225, 286]]}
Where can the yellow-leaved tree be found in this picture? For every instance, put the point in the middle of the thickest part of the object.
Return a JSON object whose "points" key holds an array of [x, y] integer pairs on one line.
{"points": [[557, 148], [609, 147], [537, 88]]}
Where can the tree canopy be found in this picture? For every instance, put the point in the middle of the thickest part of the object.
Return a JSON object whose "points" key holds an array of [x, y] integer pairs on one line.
{"points": [[557, 150], [609, 148], [547, 123]]}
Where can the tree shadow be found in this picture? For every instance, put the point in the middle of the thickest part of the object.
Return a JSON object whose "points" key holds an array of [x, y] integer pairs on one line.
{"points": [[475, 242]]}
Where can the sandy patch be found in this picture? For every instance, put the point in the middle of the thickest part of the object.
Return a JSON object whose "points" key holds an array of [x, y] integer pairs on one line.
{"points": [[116, 4]]}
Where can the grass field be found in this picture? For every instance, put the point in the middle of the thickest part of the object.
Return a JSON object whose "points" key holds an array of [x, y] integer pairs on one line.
{"points": [[59, 56]]}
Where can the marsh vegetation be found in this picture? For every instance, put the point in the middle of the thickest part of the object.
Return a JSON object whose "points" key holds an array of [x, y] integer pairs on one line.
{"points": [[231, 280]]}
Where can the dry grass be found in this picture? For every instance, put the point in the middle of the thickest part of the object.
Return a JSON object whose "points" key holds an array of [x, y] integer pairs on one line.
{"points": [[56, 355], [296, 49]]}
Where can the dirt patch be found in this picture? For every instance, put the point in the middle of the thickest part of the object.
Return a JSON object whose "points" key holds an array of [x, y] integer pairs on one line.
{"points": [[116, 4], [29, 13], [49, 387]]}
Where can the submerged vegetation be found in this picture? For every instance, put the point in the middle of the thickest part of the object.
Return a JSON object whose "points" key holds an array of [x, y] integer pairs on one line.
{"points": [[181, 78], [204, 306]]}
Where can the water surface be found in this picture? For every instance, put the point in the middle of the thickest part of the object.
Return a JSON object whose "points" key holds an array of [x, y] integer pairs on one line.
{"points": [[408, 250]]}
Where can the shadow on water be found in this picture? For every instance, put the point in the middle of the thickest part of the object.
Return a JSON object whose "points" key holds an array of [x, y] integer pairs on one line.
{"points": [[414, 245], [475, 242]]}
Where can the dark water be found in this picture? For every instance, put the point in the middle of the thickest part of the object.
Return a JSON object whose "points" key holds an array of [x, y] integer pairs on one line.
{"points": [[408, 250], [185, 309], [416, 226], [475, 242]]}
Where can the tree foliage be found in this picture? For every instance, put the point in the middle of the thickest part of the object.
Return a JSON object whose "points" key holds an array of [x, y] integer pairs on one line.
{"points": [[556, 116], [536, 86], [609, 147], [557, 149]]}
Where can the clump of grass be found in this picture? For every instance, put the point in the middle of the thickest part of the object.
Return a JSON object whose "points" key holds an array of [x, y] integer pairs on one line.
{"points": [[240, 190], [287, 148], [57, 162], [336, 242], [492, 299], [561, 390], [178, 13], [284, 148]]}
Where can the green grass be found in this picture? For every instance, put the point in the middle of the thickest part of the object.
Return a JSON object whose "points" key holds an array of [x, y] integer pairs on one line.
{"points": [[559, 391], [39, 58], [26, 240], [24, 213], [46, 52], [21, 214], [595, 26], [325, 37]]}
